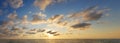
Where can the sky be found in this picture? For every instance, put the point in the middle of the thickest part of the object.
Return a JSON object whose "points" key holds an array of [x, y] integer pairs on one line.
{"points": [[59, 19]]}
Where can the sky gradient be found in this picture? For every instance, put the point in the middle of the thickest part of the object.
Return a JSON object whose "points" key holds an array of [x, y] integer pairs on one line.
{"points": [[51, 19]]}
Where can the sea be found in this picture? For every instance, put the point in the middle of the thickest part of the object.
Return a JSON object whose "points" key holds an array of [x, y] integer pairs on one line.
{"points": [[59, 40]]}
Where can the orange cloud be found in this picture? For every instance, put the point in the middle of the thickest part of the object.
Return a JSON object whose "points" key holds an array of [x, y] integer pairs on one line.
{"points": [[42, 3]]}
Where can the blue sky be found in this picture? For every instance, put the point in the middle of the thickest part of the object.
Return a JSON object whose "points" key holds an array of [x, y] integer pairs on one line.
{"points": [[64, 7]]}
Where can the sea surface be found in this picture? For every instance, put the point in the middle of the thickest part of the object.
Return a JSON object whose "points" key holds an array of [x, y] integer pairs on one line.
{"points": [[59, 40]]}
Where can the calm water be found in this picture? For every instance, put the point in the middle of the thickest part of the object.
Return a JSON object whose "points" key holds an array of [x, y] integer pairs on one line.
{"points": [[60, 41]]}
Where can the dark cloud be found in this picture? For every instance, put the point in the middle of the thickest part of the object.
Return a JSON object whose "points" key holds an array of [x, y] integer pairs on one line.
{"points": [[14, 28], [51, 32], [14, 34], [92, 13], [32, 29], [36, 18], [7, 23], [40, 30], [55, 18], [62, 23], [30, 33], [81, 25], [56, 34], [4, 31]]}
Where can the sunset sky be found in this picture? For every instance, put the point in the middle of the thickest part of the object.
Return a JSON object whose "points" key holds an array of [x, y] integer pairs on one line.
{"points": [[59, 19]]}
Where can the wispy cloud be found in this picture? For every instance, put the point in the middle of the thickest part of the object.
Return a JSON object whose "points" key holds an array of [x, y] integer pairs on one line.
{"points": [[12, 16], [92, 13], [55, 18], [15, 3]]}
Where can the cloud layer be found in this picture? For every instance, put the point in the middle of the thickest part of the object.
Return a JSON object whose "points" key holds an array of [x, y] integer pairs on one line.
{"points": [[79, 21]]}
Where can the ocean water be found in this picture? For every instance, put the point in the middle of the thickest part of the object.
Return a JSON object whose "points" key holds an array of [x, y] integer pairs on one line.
{"points": [[59, 40]]}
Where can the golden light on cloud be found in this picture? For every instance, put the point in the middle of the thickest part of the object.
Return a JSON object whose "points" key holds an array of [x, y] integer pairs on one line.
{"points": [[53, 27]]}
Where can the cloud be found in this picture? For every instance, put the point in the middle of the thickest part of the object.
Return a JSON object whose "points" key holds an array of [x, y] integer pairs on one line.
{"points": [[40, 30], [84, 12], [53, 33], [55, 18], [24, 20], [2, 35], [93, 16], [12, 16], [38, 18], [4, 30], [14, 28], [81, 26], [62, 23], [32, 29], [42, 4], [102, 22], [42, 15], [7, 23], [79, 20], [8, 28], [15, 3], [56, 34], [30, 33], [92, 13]]}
